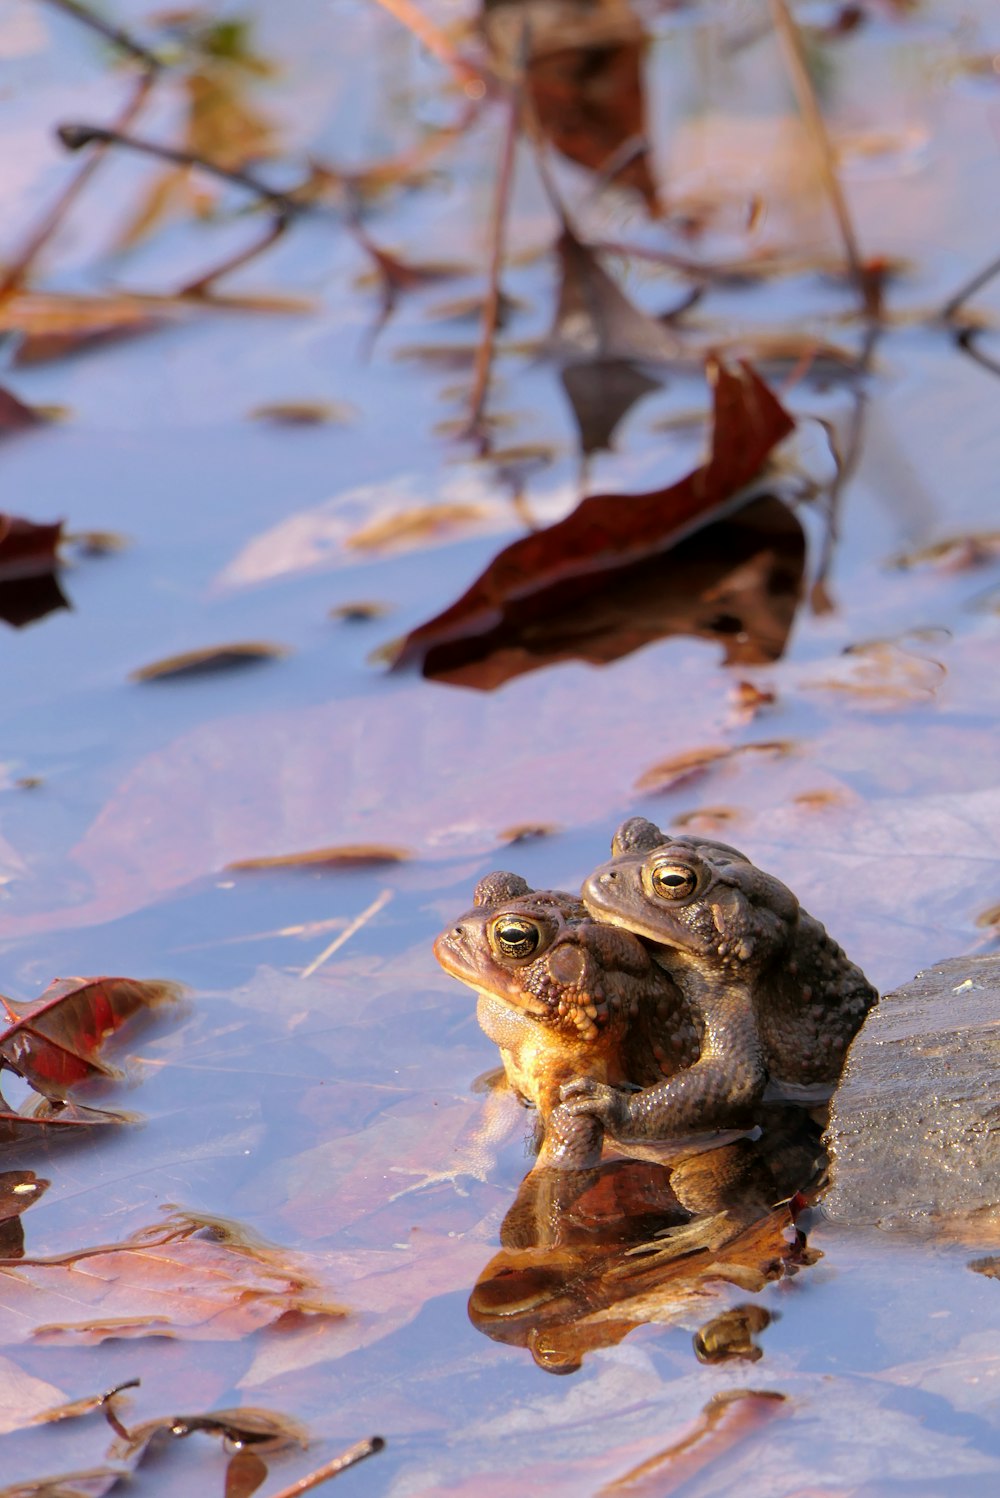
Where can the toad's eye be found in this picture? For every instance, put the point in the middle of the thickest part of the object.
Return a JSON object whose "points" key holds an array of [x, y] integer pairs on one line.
{"points": [[673, 881], [514, 936]]}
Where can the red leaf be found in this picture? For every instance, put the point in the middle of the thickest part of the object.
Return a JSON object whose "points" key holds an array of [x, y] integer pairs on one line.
{"points": [[608, 532], [54, 1042], [27, 549]]}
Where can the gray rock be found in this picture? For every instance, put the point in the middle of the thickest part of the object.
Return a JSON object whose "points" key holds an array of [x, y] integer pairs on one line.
{"points": [[914, 1132]]}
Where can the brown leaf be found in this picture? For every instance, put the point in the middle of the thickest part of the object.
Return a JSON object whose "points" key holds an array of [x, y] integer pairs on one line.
{"points": [[531, 579], [244, 1474], [39, 1116], [55, 1042], [190, 1277], [210, 658], [727, 1420], [694, 763], [595, 319], [247, 1426], [305, 413], [15, 416], [93, 1483], [349, 856], [27, 549]]}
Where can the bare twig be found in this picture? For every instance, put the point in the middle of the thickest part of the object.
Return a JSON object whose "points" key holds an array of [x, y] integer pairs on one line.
{"points": [[111, 33], [962, 295], [20, 267], [501, 202], [366, 915], [805, 93], [433, 38], [75, 136], [204, 283], [348, 1458]]}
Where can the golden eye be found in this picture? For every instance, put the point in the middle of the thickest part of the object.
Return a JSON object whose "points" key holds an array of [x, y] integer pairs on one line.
{"points": [[673, 881], [515, 936]]}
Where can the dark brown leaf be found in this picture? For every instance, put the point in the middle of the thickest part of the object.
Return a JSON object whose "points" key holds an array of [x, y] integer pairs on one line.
{"points": [[27, 549], [532, 579], [55, 1042], [736, 583], [245, 1473], [39, 1116], [19, 1189], [211, 658]]}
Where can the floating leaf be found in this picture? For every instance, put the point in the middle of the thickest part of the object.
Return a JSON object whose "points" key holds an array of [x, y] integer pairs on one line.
{"points": [[693, 763], [191, 1276], [349, 856], [55, 1042], [305, 413], [40, 1116], [727, 1420], [19, 1189], [210, 659], [533, 578], [26, 549], [15, 416], [247, 1426], [411, 527]]}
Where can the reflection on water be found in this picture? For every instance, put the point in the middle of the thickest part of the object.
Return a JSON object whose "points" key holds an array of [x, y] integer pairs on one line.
{"points": [[588, 1255]]}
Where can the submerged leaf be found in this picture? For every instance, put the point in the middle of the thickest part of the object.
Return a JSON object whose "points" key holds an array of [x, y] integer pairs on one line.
{"points": [[19, 1189], [40, 1116], [348, 856], [532, 580], [55, 1042], [211, 658], [695, 763]]}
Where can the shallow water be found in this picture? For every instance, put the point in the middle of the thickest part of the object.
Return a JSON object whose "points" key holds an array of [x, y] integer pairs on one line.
{"points": [[335, 1115]]}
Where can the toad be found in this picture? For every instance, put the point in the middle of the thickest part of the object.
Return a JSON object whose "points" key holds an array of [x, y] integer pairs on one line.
{"points": [[774, 996], [566, 997]]}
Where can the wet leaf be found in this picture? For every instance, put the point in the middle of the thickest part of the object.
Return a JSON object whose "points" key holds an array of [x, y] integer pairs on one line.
{"points": [[75, 1408], [349, 856], [190, 1277], [15, 416], [93, 1483], [244, 1474], [885, 674], [726, 1421], [361, 612], [305, 413], [681, 769], [953, 553], [531, 579], [409, 528], [27, 550], [265, 1430], [209, 660], [41, 1116], [19, 1189], [55, 1042], [595, 320]]}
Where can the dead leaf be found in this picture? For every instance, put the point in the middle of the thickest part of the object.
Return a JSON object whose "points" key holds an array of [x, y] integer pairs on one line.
{"points": [[42, 1116], [681, 769], [409, 528], [727, 1420], [533, 578], [210, 659], [93, 1483], [360, 612], [952, 553], [54, 1043], [305, 413], [244, 1474], [15, 416], [19, 1189], [349, 856], [244, 1427], [27, 550], [885, 674], [191, 1277]]}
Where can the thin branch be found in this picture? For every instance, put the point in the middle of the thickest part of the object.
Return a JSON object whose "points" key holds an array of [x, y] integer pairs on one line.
{"points": [[348, 1458], [19, 269], [366, 915], [970, 288], [111, 33], [847, 461], [498, 236], [75, 137], [805, 93], [203, 284]]}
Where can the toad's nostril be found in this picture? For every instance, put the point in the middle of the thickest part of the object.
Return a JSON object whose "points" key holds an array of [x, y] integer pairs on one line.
{"points": [[609, 878]]}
